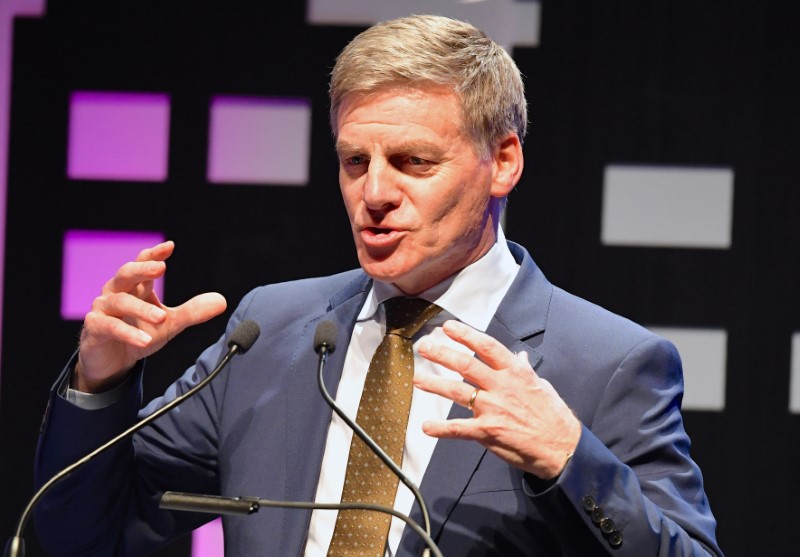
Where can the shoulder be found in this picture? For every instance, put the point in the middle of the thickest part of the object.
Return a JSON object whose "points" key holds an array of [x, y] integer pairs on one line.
{"points": [[583, 330], [561, 318], [592, 322], [302, 295]]}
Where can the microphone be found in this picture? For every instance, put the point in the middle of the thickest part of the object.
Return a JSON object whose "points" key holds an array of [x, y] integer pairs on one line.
{"points": [[217, 504], [325, 337], [240, 342], [324, 344]]}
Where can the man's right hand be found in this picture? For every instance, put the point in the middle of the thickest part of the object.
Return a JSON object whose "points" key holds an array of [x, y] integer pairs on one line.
{"points": [[128, 321]]}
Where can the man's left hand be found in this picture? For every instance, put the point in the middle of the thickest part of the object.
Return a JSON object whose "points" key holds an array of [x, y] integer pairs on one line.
{"points": [[517, 415]]}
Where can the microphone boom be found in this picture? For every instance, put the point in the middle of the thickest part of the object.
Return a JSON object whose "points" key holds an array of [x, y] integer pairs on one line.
{"points": [[240, 342]]}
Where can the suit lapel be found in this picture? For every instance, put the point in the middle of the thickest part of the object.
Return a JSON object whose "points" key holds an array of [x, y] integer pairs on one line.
{"points": [[307, 415], [521, 316]]}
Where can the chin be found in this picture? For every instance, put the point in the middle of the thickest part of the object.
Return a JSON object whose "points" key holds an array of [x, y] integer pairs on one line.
{"points": [[381, 275], [379, 270]]}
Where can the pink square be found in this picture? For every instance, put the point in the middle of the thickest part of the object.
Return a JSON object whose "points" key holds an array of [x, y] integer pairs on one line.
{"points": [[118, 136], [208, 540], [259, 140], [91, 258]]}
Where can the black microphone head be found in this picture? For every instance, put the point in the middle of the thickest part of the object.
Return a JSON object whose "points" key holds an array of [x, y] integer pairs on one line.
{"points": [[325, 336], [245, 335]]}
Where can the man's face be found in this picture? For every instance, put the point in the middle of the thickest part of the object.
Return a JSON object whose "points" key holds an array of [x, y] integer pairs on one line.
{"points": [[418, 196]]}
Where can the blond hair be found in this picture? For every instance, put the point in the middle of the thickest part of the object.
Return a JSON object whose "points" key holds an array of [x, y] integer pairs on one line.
{"points": [[426, 49]]}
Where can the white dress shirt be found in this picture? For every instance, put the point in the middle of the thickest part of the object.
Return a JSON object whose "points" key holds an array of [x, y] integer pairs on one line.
{"points": [[472, 296]]}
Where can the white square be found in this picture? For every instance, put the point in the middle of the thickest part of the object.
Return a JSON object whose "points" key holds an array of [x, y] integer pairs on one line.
{"points": [[794, 386], [510, 23], [704, 356], [259, 141], [663, 206]]}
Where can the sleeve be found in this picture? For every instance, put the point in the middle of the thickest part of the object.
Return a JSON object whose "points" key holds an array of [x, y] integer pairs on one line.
{"points": [[109, 506], [631, 482], [90, 401]]}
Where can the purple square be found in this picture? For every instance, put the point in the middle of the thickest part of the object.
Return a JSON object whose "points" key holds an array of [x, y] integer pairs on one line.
{"points": [[259, 141], [118, 136], [91, 258], [207, 541]]}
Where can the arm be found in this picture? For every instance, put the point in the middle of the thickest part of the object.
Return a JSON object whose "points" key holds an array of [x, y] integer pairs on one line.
{"points": [[632, 460], [632, 465], [110, 505], [85, 513]]}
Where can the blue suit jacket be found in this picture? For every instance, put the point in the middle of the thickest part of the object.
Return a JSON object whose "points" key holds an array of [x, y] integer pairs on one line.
{"points": [[260, 430]]}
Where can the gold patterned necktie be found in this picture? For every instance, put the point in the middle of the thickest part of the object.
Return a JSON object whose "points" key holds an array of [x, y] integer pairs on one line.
{"points": [[383, 414]]}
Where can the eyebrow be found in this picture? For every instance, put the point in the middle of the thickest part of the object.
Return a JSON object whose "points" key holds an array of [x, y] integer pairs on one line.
{"points": [[344, 148]]}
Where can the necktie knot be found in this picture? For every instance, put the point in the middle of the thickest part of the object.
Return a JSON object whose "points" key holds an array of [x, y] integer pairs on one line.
{"points": [[406, 316]]}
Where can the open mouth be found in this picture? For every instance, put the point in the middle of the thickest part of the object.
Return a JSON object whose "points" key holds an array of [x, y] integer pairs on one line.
{"points": [[380, 237], [377, 230]]}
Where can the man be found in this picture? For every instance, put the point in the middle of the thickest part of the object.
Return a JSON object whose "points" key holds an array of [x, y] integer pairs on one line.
{"points": [[540, 424]]}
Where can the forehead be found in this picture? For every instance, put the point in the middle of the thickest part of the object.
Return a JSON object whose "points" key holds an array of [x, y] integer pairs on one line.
{"points": [[404, 113]]}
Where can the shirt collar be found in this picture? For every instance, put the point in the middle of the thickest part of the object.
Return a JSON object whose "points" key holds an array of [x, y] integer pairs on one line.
{"points": [[472, 295]]}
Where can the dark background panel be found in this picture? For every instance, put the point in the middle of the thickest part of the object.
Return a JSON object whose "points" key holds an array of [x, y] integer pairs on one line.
{"points": [[705, 83]]}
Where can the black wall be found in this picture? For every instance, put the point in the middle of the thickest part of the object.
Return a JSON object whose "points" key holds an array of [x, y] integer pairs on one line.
{"points": [[690, 82]]}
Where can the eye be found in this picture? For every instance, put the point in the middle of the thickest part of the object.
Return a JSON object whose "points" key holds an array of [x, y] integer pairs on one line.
{"points": [[355, 160], [416, 165]]}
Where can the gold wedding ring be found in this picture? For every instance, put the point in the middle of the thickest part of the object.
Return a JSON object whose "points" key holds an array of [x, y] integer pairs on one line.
{"points": [[472, 399]]}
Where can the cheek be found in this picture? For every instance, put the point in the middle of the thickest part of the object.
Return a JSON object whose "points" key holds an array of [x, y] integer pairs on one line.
{"points": [[350, 196], [463, 214]]}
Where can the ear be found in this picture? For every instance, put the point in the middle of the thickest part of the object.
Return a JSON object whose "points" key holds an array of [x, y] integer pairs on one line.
{"points": [[507, 163]]}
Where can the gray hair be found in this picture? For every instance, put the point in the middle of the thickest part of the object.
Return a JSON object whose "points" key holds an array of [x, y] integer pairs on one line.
{"points": [[426, 49]]}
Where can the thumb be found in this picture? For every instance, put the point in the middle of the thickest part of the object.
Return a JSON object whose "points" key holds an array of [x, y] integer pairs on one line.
{"points": [[197, 310]]}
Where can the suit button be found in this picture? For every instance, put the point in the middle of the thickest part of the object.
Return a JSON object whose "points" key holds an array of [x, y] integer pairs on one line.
{"points": [[588, 503], [615, 539], [597, 515], [607, 526]]}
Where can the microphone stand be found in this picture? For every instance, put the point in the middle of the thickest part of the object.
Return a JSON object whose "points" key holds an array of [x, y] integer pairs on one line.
{"points": [[323, 350], [216, 504], [16, 544]]}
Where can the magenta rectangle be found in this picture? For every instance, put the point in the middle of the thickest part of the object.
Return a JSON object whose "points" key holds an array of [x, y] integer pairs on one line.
{"points": [[208, 540], [118, 136], [91, 258]]}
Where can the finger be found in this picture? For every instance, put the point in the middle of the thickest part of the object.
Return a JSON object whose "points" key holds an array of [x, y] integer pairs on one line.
{"points": [[197, 310], [488, 349], [134, 273], [525, 360], [124, 305], [98, 327], [159, 252], [453, 429], [469, 367], [457, 391]]}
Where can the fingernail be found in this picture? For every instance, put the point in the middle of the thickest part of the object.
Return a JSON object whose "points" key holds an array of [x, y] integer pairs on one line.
{"points": [[156, 313], [424, 345], [144, 338]]}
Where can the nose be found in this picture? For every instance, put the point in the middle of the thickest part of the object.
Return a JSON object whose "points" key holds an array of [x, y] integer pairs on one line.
{"points": [[381, 192]]}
